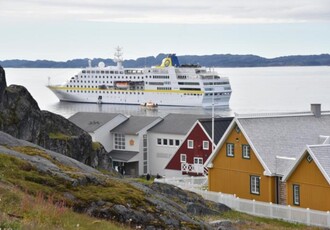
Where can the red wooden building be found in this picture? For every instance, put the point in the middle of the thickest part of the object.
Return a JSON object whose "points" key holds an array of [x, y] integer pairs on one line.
{"points": [[197, 147]]}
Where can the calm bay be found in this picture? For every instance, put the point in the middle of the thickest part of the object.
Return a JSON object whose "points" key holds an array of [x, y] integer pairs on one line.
{"points": [[255, 90]]}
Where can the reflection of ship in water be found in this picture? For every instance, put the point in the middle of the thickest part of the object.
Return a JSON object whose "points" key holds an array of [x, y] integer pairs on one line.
{"points": [[67, 109], [168, 84]]}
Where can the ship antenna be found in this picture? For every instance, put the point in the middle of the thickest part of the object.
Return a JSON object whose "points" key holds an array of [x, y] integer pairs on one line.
{"points": [[119, 57]]}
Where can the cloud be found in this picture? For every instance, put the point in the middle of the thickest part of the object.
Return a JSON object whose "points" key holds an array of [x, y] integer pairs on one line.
{"points": [[161, 11]]}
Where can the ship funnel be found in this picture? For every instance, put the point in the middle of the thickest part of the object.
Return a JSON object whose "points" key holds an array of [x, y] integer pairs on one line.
{"points": [[170, 60]]}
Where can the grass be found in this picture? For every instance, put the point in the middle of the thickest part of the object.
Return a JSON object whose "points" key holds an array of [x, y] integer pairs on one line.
{"points": [[113, 191], [96, 146], [18, 210], [143, 180], [59, 136], [245, 221], [23, 175], [32, 151]]}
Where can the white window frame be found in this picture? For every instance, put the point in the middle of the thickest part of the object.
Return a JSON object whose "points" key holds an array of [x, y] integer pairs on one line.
{"points": [[169, 142], [164, 142], [190, 144], [230, 148], [255, 185], [198, 160], [161, 141], [206, 145], [296, 194], [183, 158], [119, 141], [246, 151]]}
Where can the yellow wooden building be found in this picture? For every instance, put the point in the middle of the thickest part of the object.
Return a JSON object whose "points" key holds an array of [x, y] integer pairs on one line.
{"points": [[308, 181], [257, 151]]}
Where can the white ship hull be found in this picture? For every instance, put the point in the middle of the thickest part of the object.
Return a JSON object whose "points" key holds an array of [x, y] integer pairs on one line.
{"points": [[124, 97]]}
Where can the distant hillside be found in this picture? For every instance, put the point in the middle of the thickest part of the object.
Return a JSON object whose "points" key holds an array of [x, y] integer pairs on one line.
{"points": [[216, 60]]}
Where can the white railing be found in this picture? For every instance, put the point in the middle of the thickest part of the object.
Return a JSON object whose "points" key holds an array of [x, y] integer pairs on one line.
{"points": [[185, 182], [192, 168], [288, 213]]}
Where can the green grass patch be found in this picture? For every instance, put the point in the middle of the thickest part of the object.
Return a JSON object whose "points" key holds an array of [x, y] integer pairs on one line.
{"points": [[96, 146], [255, 222], [114, 191], [32, 151], [22, 174], [59, 136], [19, 210]]}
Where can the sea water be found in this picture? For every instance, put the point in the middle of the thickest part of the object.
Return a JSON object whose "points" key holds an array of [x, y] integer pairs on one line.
{"points": [[255, 90]]}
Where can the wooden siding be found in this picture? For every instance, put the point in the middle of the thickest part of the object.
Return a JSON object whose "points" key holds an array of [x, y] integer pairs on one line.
{"points": [[232, 174], [314, 188], [198, 136]]}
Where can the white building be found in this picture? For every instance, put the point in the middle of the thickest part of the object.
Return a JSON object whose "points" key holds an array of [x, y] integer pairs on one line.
{"points": [[98, 125], [130, 150]]}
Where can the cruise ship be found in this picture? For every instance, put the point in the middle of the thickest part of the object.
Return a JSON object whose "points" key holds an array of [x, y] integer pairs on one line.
{"points": [[167, 84]]}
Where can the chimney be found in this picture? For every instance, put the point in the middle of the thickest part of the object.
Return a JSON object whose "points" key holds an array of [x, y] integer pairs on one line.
{"points": [[316, 109]]}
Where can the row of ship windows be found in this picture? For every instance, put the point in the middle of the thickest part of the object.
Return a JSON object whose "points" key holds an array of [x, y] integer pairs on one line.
{"points": [[108, 92], [114, 92], [216, 94], [216, 83], [107, 77], [90, 82], [130, 77], [102, 71]]}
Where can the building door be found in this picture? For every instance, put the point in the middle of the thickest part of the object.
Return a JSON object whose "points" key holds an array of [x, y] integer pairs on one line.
{"points": [[198, 165]]}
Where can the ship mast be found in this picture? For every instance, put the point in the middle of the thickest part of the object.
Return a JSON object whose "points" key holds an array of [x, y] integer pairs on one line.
{"points": [[119, 57]]}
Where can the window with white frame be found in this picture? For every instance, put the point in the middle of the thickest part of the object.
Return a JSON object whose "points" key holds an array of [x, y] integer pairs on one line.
{"points": [[206, 145], [165, 142], [255, 185], [246, 151], [230, 149], [309, 158], [177, 142], [159, 141], [296, 194], [198, 160], [171, 142], [190, 144], [119, 141], [183, 158]]}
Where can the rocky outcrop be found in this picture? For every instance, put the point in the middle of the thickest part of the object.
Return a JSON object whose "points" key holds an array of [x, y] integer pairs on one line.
{"points": [[89, 191], [3, 83], [21, 117]]}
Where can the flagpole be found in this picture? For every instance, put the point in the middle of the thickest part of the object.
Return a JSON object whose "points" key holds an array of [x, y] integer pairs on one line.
{"points": [[213, 145]]}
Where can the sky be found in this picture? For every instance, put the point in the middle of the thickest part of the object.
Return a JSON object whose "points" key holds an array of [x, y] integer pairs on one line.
{"points": [[66, 29]]}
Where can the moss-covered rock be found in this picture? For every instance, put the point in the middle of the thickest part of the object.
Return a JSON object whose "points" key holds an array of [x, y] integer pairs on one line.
{"points": [[21, 117]]}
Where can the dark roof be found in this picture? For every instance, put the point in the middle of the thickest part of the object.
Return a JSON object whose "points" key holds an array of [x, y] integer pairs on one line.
{"points": [[122, 155], [92, 121], [220, 126], [134, 124], [177, 123]]}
